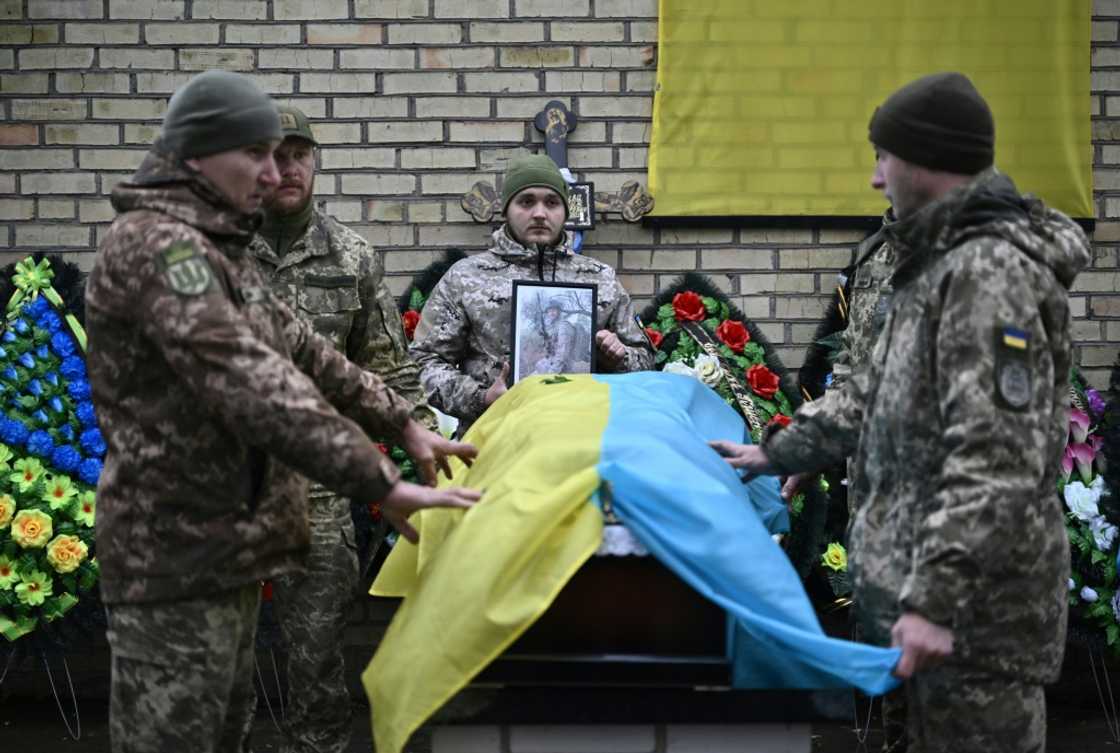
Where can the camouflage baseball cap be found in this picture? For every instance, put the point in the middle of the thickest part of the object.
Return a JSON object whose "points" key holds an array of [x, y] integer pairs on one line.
{"points": [[294, 123]]}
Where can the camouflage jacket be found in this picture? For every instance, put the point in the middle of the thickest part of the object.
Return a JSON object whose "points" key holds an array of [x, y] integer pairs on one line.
{"points": [[205, 387], [463, 337], [964, 414], [331, 278], [867, 303]]}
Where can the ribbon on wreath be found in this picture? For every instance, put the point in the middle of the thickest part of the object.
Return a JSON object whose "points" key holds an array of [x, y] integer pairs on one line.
{"points": [[708, 344]]}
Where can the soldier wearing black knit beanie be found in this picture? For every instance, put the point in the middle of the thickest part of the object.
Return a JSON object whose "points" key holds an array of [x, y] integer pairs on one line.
{"points": [[956, 428]]}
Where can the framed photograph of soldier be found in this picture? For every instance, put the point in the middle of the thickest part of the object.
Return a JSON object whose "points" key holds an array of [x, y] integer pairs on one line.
{"points": [[553, 328], [581, 206]]}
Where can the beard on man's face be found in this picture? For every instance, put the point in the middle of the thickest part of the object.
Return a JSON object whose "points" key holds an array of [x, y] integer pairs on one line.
{"points": [[288, 198]]}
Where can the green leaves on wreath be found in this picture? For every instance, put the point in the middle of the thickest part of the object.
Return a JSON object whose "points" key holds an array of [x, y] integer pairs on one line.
{"points": [[416, 300]]}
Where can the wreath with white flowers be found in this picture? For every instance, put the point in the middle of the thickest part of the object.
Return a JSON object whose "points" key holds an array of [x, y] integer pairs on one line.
{"points": [[695, 330], [1092, 516]]}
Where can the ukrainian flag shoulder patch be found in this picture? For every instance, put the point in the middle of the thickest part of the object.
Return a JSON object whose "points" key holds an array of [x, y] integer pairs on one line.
{"points": [[1016, 338]]}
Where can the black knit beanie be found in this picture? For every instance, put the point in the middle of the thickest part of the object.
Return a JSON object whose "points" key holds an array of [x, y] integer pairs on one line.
{"points": [[217, 111], [939, 121]]}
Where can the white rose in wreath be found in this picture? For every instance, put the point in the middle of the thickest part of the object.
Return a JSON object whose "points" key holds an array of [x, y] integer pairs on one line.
{"points": [[1104, 533], [679, 367], [1082, 501], [708, 370]]}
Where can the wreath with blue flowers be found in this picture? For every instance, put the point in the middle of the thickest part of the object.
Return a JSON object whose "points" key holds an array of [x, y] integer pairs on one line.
{"points": [[51, 454]]}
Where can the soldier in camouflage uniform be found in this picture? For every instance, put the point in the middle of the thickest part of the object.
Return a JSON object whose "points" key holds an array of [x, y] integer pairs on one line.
{"points": [[959, 554], [868, 303], [214, 399], [330, 277], [462, 342]]}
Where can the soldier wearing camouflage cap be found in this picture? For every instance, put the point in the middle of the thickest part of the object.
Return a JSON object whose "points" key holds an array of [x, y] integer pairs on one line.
{"points": [[462, 342], [958, 551], [332, 279], [208, 394]]}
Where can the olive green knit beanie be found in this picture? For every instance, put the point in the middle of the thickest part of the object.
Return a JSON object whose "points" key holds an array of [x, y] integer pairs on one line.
{"points": [[217, 111], [532, 171]]}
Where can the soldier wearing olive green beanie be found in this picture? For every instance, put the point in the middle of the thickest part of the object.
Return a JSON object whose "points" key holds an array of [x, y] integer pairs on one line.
{"points": [[216, 111], [533, 171], [462, 342]]}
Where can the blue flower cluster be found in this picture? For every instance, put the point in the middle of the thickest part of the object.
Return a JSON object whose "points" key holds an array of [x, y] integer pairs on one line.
{"points": [[45, 393]]}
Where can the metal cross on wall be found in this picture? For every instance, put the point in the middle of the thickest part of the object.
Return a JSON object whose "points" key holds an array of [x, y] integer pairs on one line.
{"points": [[556, 121]]}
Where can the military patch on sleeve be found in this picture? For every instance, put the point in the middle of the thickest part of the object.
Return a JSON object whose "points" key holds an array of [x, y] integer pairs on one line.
{"points": [[185, 269], [1013, 368]]}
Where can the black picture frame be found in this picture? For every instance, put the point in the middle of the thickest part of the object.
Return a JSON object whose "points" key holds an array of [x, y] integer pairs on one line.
{"points": [[532, 340], [581, 206]]}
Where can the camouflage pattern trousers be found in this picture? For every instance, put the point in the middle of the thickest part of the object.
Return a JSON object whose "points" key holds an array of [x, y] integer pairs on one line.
{"points": [[182, 673], [956, 710], [311, 608]]}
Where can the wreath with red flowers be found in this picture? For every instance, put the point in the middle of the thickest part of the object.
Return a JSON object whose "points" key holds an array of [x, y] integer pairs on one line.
{"points": [[743, 353], [766, 395], [411, 303]]}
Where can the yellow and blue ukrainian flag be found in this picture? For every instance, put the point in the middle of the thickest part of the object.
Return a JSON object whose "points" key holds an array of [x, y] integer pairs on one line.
{"points": [[478, 579]]}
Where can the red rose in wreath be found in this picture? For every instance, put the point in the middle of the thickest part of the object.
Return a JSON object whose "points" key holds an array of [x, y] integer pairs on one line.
{"points": [[655, 337], [688, 307], [410, 319], [733, 334], [780, 419], [763, 381]]}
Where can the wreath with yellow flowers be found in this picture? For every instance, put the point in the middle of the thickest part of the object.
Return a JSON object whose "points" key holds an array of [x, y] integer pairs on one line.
{"points": [[51, 452]]}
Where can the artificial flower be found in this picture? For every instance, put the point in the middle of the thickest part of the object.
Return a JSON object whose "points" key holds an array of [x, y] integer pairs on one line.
{"points": [[1104, 533], [40, 442], [679, 367], [89, 470], [763, 381], [33, 277], [655, 337], [7, 510], [1096, 402], [733, 334], [92, 442], [28, 471], [708, 370], [1078, 424], [835, 557], [5, 458], [410, 319], [1088, 594], [780, 419], [79, 389], [1067, 464], [60, 490], [86, 414], [73, 367], [34, 588], [688, 307], [63, 344], [65, 553], [87, 508], [8, 575], [66, 457], [1116, 606], [1082, 500], [1073, 585], [32, 529], [1083, 456]]}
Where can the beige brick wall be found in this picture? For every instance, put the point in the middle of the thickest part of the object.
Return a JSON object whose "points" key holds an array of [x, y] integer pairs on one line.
{"points": [[415, 100]]}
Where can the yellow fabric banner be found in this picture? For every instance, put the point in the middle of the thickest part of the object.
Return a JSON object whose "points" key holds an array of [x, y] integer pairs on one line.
{"points": [[762, 106], [478, 580]]}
